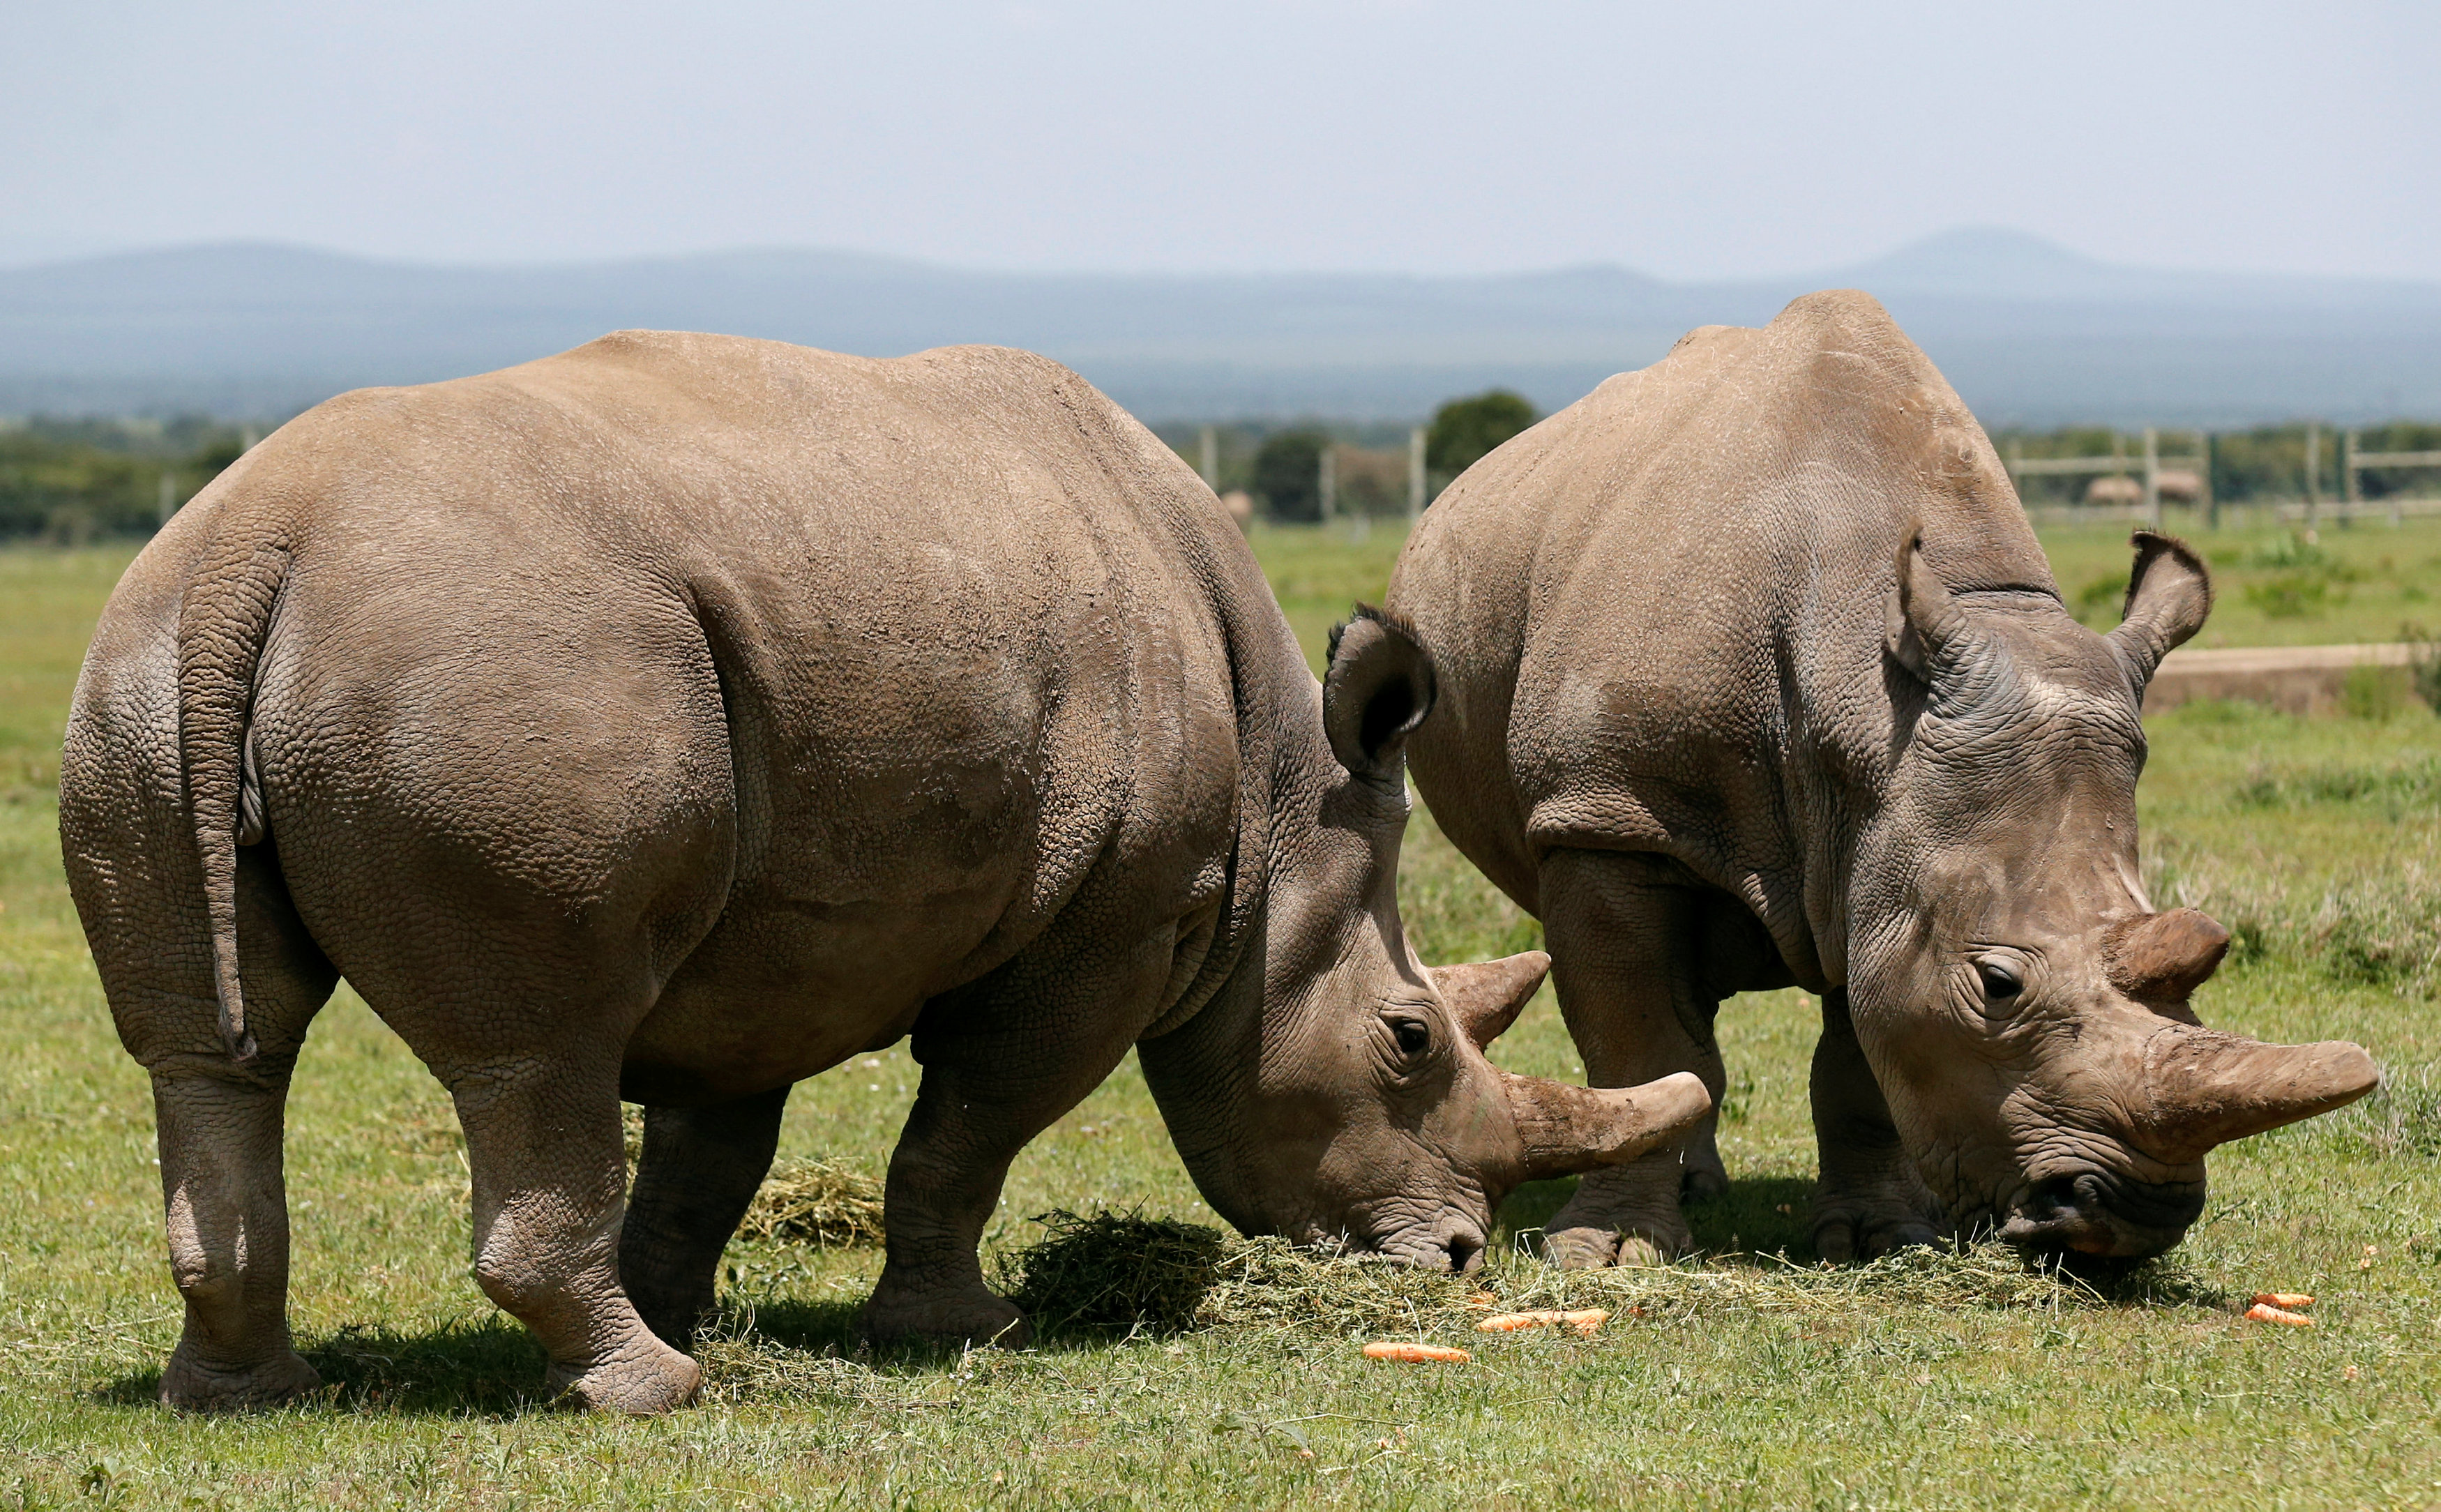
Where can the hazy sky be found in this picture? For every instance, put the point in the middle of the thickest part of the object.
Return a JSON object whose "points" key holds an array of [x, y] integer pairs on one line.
{"points": [[1689, 140]]}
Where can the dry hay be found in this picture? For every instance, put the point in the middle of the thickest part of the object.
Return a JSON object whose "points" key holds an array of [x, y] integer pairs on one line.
{"points": [[1113, 1273], [829, 1204], [1110, 1274]]}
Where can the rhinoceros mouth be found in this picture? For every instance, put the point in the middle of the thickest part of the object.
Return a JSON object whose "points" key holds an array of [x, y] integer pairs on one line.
{"points": [[1449, 1241], [2098, 1213]]}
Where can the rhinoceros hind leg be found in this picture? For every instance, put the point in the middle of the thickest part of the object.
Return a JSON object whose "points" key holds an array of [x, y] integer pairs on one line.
{"points": [[228, 1218], [543, 1141], [1872, 1200], [698, 1173]]}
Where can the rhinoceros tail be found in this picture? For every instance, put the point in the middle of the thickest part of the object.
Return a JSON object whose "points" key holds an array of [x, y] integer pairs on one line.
{"points": [[223, 621]]}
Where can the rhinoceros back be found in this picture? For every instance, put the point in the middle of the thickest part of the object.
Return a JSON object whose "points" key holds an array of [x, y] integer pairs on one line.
{"points": [[833, 679], [1661, 606]]}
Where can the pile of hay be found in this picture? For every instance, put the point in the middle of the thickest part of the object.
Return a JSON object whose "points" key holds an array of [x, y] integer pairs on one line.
{"points": [[828, 1204], [1107, 1274], [1112, 1274]]}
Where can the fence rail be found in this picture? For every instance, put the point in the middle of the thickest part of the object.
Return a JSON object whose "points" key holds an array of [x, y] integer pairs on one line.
{"points": [[2151, 465]]}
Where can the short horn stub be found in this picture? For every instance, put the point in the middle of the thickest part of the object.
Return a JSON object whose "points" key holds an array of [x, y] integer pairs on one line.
{"points": [[1486, 997], [1566, 1128], [2165, 956]]}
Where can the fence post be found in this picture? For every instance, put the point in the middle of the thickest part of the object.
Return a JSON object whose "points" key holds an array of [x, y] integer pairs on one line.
{"points": [[1414, 475], [1211, 468], [169, 495], [2313, 477], [2204, 495], [2152, 478], [1328, 483]]}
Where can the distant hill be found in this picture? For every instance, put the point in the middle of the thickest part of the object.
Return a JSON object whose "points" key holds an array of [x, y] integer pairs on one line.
{"points": [[2029, 332]]}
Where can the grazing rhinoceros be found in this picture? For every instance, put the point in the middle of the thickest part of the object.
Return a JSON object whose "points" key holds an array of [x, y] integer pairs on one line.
{"points": [[1752, 672], [679, 717]]}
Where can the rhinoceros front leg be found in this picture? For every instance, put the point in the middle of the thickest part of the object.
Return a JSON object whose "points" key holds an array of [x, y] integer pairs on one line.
{"points": [[1872, 1199], [1625, 939], [544, 1146], [698, 1173], [1002, 1060]]}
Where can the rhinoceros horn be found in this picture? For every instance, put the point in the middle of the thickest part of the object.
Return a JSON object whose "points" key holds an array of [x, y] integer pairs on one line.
{"points": [[1486, 997], [1566, 1128], [2163, 958], [2205, 1087]]}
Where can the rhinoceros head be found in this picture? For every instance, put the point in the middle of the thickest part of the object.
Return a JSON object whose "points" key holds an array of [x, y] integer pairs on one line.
{"points": [[2023, 1005], [1353, 1105]]}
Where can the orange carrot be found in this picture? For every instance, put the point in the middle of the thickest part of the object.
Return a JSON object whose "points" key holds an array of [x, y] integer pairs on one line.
{"points": [[1584, 1319], [2265, 1312], [1509, 1322], [2293, 1300], [1416, 1354], [1481, 1298]]}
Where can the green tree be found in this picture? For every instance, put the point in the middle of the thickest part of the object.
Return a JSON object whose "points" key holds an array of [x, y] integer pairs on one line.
{"points": [[1464, 429], [1288, 473]]}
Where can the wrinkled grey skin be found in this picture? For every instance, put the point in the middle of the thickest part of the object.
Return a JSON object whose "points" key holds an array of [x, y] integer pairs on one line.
{"points": [[679, 717], [1709, 713]]}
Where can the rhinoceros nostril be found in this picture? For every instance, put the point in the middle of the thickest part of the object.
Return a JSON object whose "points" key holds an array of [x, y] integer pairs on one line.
{"points": [[2053, 1198], [1465, 1252]]}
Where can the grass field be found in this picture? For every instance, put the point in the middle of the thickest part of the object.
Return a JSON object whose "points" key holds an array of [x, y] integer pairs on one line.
{"points": [[1751, 1380]]}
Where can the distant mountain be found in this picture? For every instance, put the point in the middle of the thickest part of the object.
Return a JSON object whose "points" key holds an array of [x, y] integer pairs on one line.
{"points": [[2029, 332]]}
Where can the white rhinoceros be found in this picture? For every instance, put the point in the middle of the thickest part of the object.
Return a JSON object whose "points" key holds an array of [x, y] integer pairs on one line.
{"points": [[1752, 672], [679, 717]]}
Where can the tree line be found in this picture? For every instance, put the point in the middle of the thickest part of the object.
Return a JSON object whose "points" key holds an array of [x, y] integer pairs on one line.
{"points": [[70, 482]]}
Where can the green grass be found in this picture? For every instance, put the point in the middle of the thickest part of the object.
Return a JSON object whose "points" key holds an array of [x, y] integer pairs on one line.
{"points": [[1749, 1380], [2353, 583]]}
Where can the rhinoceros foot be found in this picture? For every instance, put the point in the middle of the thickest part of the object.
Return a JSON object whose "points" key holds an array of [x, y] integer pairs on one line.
{"points": [[1702, 1183], [193, 1386], [968, 1317], [1625, 1215], [642, 1379], [1865, 1226]]}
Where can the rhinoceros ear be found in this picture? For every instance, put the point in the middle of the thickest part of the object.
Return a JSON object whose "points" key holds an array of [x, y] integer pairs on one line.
{"points": [[1930, 633], [1925, 629], [1378, 690], [2169, 593]]}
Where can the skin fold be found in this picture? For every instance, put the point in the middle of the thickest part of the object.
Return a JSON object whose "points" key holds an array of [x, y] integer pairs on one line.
{"points": [[1753, 673], [676, 717]]}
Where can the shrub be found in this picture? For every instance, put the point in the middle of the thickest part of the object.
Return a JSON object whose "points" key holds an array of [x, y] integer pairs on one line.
{"points": [[1288, 473], [2373, 692], [2423, 663], [1464, 429]]}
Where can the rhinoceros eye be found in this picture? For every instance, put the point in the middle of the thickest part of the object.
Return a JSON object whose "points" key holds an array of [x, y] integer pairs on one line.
{"points": [[2000, 984], [1413, 1035]]}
